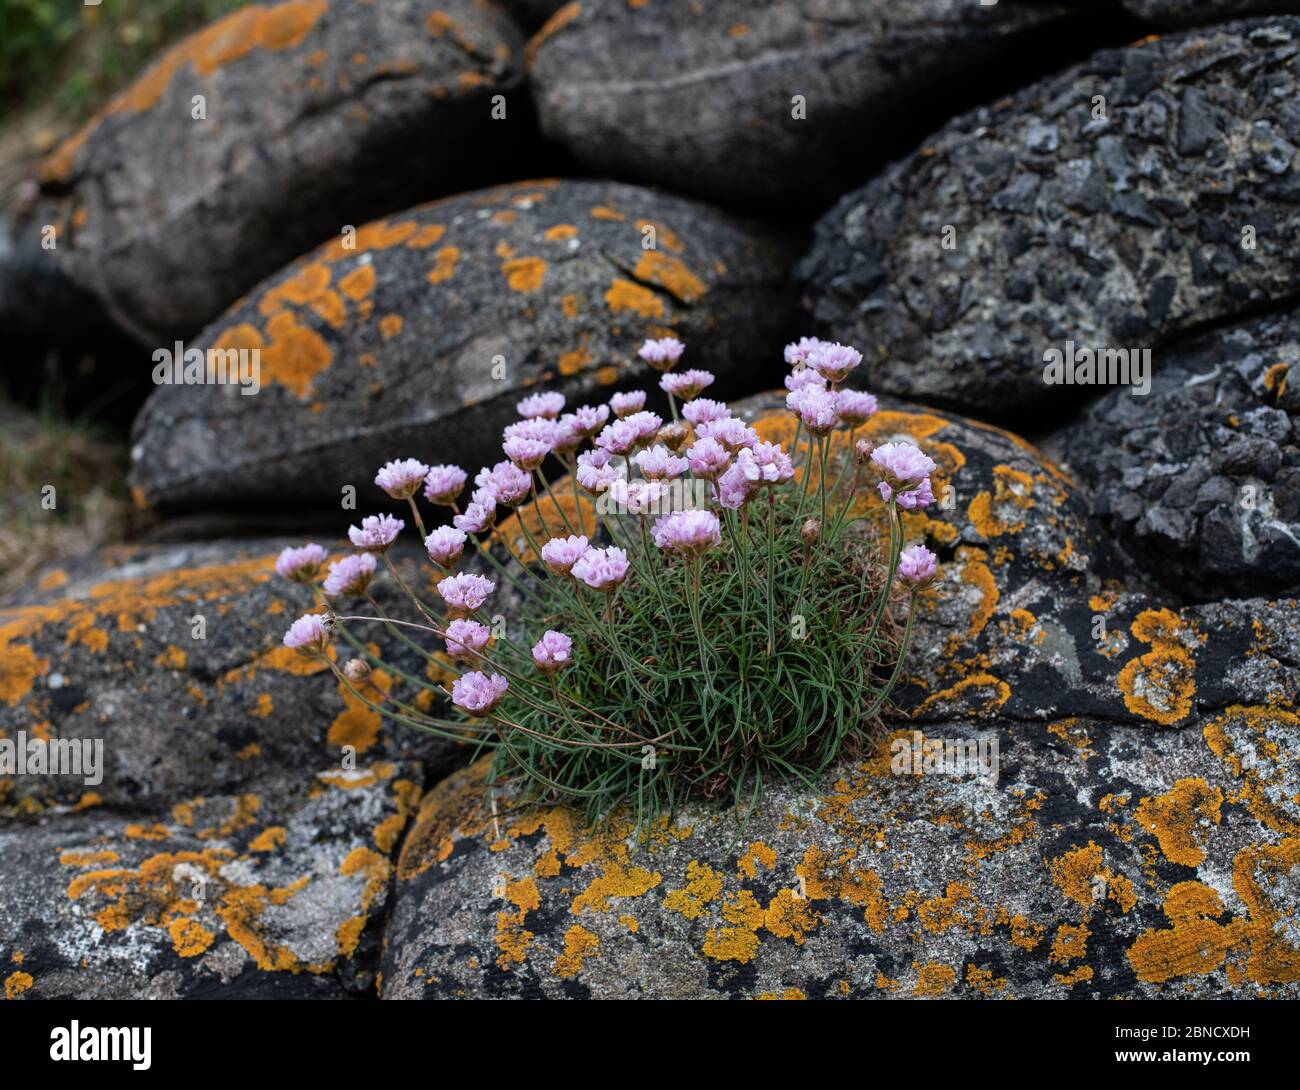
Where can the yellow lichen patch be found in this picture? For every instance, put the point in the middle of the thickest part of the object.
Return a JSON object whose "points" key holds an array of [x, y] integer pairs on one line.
{"points": [[305, 286], [428, 235], [1070, 944], [604, 212], [703, 885], [19, 668], [625, 295], [52, 580], [171, 658], [390, 325], [1273, 959], [983, 981], [933, 980], [991, 691], [630, 922], [571, 363], [1275, 379], [738, 942], [268, 839], [189, 937], [512, 938], [1161, 685], [1075, 871], [263, 707], [240, 911], [1178, 819], [16, 983], [359, 283], [671, 275], [358, 724], [294, 355], [524, 274], [579, 944], [1194, 945], [1003, 510], [444, 265], [151, 894], [561, 232], [1240, 738], [73, 858], [789, 916], [787, 994], [756, 855], [616, 880]]}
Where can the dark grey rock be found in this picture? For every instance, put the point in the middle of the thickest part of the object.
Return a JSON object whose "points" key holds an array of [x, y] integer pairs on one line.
{"points": [[420, 341], [1175, 13], [319, 114], [1122, 232]]}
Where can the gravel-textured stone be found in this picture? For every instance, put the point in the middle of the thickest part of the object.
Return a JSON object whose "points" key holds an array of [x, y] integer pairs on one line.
{"points": [[1200, 480], [701, 97], [1113, 232], [319, 114], [1190, 12], [421, 339]]}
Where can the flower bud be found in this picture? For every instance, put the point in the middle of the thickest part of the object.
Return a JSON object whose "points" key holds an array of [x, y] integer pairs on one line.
{"points": [[862, 452], [674, 436], [810, 531], [356, 671]]}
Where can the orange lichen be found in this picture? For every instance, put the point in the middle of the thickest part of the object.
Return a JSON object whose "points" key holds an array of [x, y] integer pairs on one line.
{"points": [[934, 979], [1177, 819], [671, 275], [444, 265], [16, 983], [579, 944], [626, 295], [295, 354], [189, 937], [524, 274], [703, 885]]}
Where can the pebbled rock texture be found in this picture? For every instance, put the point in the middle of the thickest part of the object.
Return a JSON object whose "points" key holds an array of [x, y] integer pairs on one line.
{"points": [[420, 340], [1115, 225], [309, 106]]}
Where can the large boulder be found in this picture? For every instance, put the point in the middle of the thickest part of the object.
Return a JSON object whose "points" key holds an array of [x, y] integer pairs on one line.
{"points": [[1094, 861], [170, 659], [420, 339], [167, 216], [1034, 617], [738, 101], [1126, 201], [1200, 480]]}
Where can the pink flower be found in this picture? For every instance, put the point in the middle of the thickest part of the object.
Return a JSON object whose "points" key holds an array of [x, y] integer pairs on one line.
{"points": [[703, 409], [914, 499], [662, 354], [730, 432], [647, 425], [855, 406], [466, 639], [527, 454], [602, 569], [618, 438], [658, 463], [816, 408], [708, 459], [561, 553], [626, 404], [587, 419], [833, 362], [465, 593], [308, 635], [477, 693], [765, 463], [636, 497], [804, 377], [686, 385], [476, 518], [443, 484], [505, 482], [377, 533], [351, 575], [403, 479], [568, 435], [538, 429], [796, 353], [735, 489], [688, 533], [445, 545], [552, 652], [902, 464], [548, 405], [302, 564], [595, 474], [917, 565]]}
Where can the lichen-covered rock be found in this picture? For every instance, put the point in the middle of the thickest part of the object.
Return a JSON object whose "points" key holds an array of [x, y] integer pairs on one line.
{"points": [[1200, 480], [1189, 12], [219, 896], [1098, 862], [1033, 616], [1126, 201], [268, 131], [171, 658], [739, 101], [420, 339]]}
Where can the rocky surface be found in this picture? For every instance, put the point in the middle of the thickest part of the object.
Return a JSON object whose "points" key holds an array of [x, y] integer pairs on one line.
{"points": [[1200, 480], [1131, 199], [702, 97], [1099, 863], [167, 218], [1034, 617], [420, 340], [111, 654], [1188, 12]]}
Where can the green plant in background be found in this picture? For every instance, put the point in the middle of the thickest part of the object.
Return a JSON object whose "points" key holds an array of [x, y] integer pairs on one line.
{"points": [[709, 617], [70, 56]]}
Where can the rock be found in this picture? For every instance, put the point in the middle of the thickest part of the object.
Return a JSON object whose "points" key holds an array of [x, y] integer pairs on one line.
{"points": [[222, 896], [1200, 480], [112, 655], [703, 97], [1099, 862], [420, 341], [1033, 616], [1189, 12], [318, 114], [532, 13], [1069, 228]]}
